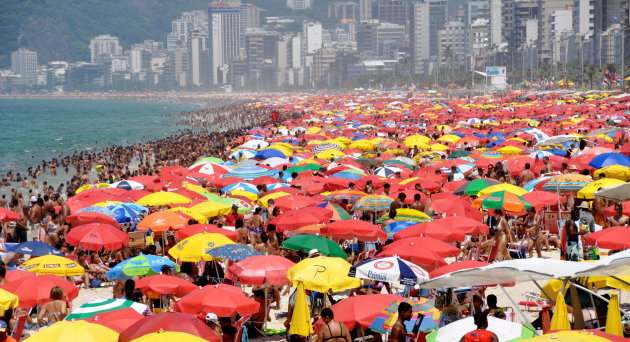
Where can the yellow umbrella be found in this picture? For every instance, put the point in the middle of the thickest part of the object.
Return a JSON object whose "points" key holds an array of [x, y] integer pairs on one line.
{"points": [[509, 150], [105, 203], [560, 319], [500, 187], [323, 274], [8, 300], [192, 213], [613, 318], [53, 264], [196, 247], [568, 336], [301, 319], [195, 188], [614, 171], [83, 188], [249, 195], [265, 199], [327, 154], [163, 198], [589, 190], [169, 336], [212, 209], [451, 138], [80, 330], [438, 147]]}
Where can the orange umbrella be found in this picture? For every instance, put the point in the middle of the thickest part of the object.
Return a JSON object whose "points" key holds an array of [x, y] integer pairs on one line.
{"points": [[164, 220]]}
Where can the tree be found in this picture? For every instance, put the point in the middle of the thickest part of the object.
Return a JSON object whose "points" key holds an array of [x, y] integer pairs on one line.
{"points": [[590, 72]]}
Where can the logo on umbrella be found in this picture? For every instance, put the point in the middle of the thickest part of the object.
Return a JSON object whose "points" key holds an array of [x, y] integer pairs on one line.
{"points": [[71, 265], [52, 265], [320, 269], [211, 244], [383, 265]]}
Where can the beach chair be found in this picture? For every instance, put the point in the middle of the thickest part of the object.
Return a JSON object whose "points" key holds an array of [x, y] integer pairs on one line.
{"points": [[240, 326], [19, 327], [493, 253], [533, 301]]}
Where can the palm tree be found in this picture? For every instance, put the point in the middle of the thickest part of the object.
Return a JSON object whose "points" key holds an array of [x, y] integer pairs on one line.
{"points": [[449, 54], [590, 72]]}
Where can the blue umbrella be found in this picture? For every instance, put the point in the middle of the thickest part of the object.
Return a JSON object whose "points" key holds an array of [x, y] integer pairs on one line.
{"points": [[127, 212], [269, 153], [251, 172], [389, 269], [607, 159], [347, 175], [397, 226], [35, 248], [233, 252], [139, 266], [240, 186], [100, 210]]}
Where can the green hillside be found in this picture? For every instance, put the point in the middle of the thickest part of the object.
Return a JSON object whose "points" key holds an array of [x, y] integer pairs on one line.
{"points": [[62, 29]]}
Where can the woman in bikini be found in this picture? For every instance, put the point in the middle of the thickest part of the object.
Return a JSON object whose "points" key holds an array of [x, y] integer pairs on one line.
{"points": [[535, 238], [504, 236], [55, 310], [332, 331]]}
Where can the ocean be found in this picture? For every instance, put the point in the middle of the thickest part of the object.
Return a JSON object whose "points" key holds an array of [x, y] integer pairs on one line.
{"points": [[32, 130]]}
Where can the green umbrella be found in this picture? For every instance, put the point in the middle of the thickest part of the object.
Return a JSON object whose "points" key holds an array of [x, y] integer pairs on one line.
{"points": [[459, 154], [397, 162], [306, 243], [355, 171], [505, 200], [210, 160], [302, 168], [102, 305], [473, 187]]}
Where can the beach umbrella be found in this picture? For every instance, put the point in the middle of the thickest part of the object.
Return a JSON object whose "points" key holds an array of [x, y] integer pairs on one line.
{"points": [[540, 199], [373, 203], [32, 291], [205, 228], [615, 238], [397, 226], [165, 284], [362, 310], [261, 269], [567, 183], [323, 274], [18, 274], [210, 168], [407, 245], [251, 172], [96, 209], [502, 187], [607, 159], [53, 264], [243, 186], [242, 153], [293, 202], [128, 185], [505, 330], [351, 195], [255, 144], [537, 184], [327, 146], [338, 212], [406, 214], [74, 331], [170, 322], [118, 320], [570, 336], [387, 171], [301, 320], [389, 269], [503, 200], [35, 248], [614, 171], [619, 192], [472, 188], [456, 266], [293, 219], [560, 319], [613, 317], [197, 246], [102, 305], [97, 236], [140, 265], [276, 195], [7, 215], [233, 252], [163, 220], [588, 192], [212, 208], [163, 198], [424, 257], [126, 212], [194, 214], [387, 318], [223, 300], [354, 229], [306, 243]]}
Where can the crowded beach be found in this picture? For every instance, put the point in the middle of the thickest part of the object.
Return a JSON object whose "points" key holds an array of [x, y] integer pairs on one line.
{"points": [[368, 216]]}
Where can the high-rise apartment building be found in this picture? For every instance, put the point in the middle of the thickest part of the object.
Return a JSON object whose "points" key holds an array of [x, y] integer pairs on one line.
{"points": [[312, 37], [427, 19], [224, 28], [24, 63], [250, 16], [390, 11], [103, 47], [344, 10], [545, 25], [365, 9], [299, 4]]}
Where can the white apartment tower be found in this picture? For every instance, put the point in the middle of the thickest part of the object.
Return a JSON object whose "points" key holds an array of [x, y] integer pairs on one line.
{"points": [[24, 63], [224, 28], [103, 47]]}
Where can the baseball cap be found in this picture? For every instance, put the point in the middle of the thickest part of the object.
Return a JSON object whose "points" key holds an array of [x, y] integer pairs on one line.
{"points": [[573, 167], [313, 252], [33, 198], [3, 326], [212, 317]]}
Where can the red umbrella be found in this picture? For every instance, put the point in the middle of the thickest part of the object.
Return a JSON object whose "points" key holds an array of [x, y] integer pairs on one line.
{"points": [[96, 236], [7, 215], [117, 320], [625, 209], [169, 321], [616, 238], [223, 300], [422, 257], [190, 194], [466, 225], [34, 290], [294, 219], [164, 284], [164, 220], [293, 202], [259, 269], [350, 229], [90, 217], [15, 275], [541, 199], [205, 228], [439, 247], [456, 266], [362, 309], [76, 205], [434, 230]]}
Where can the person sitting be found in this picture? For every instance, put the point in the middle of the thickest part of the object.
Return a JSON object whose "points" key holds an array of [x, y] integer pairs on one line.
{"points": [[332, 331], [55, 310]]}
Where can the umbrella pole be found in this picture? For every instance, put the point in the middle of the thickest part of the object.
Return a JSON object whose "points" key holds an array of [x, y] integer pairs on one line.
{"points": [[264, 328], [542, 290], [625, 313], [523, 315]]}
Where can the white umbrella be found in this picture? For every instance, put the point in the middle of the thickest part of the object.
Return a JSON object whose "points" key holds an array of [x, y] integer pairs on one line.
{"points": [[127, 185], [620, 192], [255, 144], [505, 331], [389, 269], [275, 161]]}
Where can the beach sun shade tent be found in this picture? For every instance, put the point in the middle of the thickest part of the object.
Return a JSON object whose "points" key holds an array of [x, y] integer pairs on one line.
{"points": [[505, 331], [619, 192]]}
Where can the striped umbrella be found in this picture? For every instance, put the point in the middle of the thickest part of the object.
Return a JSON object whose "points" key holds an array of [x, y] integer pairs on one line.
{"points": [[140, 265], [503, 200], [390, 269], [327, 146], [473, 187], [373, 203], [241, 186], [233, 252], [210, 168], [351, 195], [127, 212], [246, 154], [96, 209], [567, 183], [102, 305], [532, 184], [127, 185], [385, 321], [251, 172], [387, 171]]}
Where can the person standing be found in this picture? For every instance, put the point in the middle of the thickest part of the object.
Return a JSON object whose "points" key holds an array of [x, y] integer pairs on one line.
{"points": [[399, 332], [332, 331], [482, 334]]}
